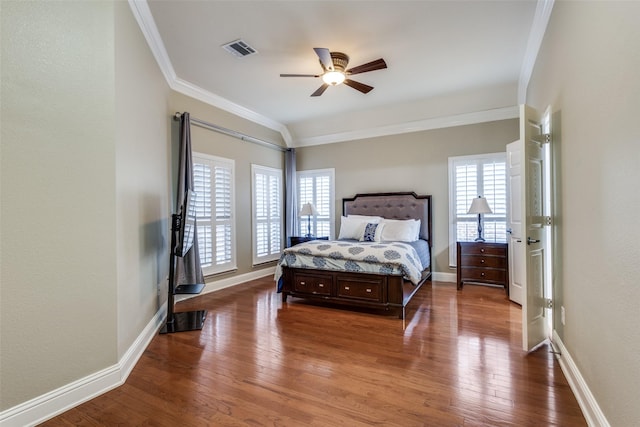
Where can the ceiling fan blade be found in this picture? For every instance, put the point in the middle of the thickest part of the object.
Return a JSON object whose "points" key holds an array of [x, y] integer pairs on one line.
{"points": [[299, 75], [358, 86], [321, 90], [325, 57], [378, 64]]}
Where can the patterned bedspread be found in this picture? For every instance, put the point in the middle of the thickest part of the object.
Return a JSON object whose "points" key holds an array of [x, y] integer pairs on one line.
{"points": [[368, 257]]}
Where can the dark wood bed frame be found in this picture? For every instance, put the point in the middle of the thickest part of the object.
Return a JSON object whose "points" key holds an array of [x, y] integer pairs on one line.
{"points": [[370, 290]]}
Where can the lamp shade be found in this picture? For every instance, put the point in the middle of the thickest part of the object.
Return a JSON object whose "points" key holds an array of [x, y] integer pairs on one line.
{"points": [[308, 209], [479, 205]]}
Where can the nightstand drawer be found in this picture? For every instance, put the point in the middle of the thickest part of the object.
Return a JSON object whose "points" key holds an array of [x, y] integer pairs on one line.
{"points": [[483, 275], [482, 249], [484, 261]]}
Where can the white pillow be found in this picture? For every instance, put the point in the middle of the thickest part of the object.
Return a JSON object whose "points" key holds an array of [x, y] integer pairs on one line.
{"points": [[372, 232], [417, 228], [396, 230], [351, 228], [368, 219]]}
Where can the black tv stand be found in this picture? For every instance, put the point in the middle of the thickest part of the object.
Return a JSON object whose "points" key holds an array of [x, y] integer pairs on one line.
{"points": [[189, 289], [185, 320]]}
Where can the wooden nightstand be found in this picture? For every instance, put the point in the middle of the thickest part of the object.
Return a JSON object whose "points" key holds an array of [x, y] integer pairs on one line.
{"points": [[294, 240], [483, 262]]}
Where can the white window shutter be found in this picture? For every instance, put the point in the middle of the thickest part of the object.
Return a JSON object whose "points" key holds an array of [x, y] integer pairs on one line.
{"points": [[214, 185], [317, 187], [472, 176], [267, 213]]}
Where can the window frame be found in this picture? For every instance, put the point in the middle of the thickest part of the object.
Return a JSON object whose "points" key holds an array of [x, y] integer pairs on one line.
{"points": [[273, 253], [320, 205], [213, 162], [499, 217]]}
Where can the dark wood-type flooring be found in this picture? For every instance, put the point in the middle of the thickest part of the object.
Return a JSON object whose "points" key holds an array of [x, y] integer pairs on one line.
{"points": [[456, 361]]}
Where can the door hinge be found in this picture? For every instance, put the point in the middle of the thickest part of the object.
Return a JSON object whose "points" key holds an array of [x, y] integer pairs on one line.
{"points": [[548, 303], [543, 138], [546, 220]]}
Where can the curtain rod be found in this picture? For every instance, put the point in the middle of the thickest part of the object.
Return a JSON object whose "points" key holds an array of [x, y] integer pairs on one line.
{"points": [[233, 133]]}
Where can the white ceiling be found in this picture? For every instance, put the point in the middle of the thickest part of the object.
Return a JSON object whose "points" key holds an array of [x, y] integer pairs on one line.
{"points": [[460, 59]]}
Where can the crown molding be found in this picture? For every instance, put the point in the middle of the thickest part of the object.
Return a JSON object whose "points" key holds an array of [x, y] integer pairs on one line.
{"points": [[415, 126], [147, 25], [142, 13], [207, 97], [538, 28]]}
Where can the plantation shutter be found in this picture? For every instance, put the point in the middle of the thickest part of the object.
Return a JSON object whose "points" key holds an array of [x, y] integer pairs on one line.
{"points": [[473, 176], [213, 183], [317, 187], [267, 213]]}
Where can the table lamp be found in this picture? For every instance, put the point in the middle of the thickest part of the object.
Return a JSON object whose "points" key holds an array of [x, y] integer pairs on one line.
{"points": [[479, 206], [307, 210]]}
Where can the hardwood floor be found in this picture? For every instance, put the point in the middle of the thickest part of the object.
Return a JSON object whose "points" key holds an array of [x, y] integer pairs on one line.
{"points": [[455, 362]]}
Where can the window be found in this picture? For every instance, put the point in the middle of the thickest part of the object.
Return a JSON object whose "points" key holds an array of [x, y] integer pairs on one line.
{"points": [[469, 177], [215, 212], [267, 213], [316, 186]]}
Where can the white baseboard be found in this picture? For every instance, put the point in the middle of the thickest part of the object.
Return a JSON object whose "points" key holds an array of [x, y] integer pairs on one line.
{"points": [[590, 408], [444, 277], [217, 285], [55, 402]]}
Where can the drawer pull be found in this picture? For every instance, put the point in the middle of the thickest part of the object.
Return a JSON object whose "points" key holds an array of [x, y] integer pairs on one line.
{"points": [[346, 288], [369, 290], [482, 250], [482, 274], [482, 261], [302, 283], [321, 285]]}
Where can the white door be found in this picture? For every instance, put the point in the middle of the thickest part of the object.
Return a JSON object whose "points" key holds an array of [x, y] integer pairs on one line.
{"points": [[534, 307], [516, 245]]}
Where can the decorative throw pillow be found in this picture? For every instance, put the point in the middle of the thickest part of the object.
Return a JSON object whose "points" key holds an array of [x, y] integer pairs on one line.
{"points": [[372, 232]]}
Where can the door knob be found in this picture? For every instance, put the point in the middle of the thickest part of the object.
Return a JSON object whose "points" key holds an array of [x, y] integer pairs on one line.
{"points": [[530, 240]]}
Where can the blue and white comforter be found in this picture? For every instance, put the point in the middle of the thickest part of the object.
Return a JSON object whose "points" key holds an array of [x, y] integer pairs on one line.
{"points": [[367, 257]]}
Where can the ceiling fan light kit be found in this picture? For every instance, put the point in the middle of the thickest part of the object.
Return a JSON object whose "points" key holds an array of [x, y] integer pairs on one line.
{"points": [[333, 77], [334, 66]]}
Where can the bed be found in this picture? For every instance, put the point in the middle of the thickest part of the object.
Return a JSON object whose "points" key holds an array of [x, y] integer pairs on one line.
{"points": [[375, 273]]}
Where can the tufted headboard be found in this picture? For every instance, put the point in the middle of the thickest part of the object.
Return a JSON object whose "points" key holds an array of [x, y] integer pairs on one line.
{"points": [[393, 206]]}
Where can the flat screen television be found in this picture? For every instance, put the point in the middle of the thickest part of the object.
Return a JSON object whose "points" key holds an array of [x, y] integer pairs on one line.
{"points": [[187, 229], [183, 229]]}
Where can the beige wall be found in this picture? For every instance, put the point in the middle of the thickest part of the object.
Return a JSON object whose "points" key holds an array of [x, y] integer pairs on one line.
{"points": [[142, 180], [58, 221], [587, 70], [85, 186], [409, 162], [243, 153]]}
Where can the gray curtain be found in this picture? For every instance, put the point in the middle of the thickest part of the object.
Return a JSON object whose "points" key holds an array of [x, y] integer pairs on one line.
{"points": [[291, 212], [188, 270]]}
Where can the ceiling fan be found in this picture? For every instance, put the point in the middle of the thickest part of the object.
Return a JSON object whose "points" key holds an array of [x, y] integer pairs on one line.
{"points": [[334, 66]]}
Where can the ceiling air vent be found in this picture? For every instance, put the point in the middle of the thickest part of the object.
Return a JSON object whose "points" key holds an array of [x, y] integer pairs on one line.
{"points": [[239, 48]]}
